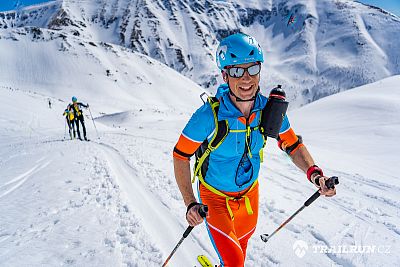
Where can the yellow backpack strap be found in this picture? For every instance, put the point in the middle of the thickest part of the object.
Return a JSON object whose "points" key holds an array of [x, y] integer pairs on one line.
{"points": [[199, 163], [228, 198], [264, 142], [220, 132], [262, 149]]}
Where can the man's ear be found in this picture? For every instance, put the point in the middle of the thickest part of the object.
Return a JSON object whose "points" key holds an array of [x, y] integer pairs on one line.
{"points": [[225, 76]]}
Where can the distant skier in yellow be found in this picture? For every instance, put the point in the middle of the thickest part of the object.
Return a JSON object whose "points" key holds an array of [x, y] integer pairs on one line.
{"points": [[69, 116]]}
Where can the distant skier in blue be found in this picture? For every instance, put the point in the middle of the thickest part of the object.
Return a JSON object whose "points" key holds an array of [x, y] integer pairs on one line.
{"points": [[76, 108]]}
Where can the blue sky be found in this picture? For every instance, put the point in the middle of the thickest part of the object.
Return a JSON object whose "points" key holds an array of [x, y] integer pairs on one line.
{"points": [[12, 4], [392, 6]]}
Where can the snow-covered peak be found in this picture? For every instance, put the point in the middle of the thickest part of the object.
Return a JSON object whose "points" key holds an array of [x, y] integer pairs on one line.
{"points": [[36, 15], [313, 48]]}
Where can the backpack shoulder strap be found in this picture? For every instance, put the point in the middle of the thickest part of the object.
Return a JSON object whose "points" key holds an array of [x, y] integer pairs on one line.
{"points": [[221, 127], [220, 133]]}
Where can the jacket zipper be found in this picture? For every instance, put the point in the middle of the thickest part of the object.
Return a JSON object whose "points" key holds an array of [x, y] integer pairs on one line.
{"points": [[246, 148]]}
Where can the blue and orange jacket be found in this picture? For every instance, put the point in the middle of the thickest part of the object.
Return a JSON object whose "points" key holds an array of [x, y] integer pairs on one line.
{"points": [[231, 166]]}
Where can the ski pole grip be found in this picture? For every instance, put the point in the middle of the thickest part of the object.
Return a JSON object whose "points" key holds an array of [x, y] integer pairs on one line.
{"points": [[203, 213], [203, 210], [187, 232], [312, 199], [331, 182]]}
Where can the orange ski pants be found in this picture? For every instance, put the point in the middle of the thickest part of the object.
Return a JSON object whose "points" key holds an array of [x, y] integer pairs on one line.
{"points": [[229, 237]]}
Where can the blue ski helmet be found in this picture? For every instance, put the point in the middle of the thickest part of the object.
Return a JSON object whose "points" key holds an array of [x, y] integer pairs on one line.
{"points": [[238, 48], [74, 99]]}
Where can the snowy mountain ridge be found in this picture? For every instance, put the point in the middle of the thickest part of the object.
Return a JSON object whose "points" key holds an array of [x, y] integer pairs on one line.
{"points": [[331, 46]]}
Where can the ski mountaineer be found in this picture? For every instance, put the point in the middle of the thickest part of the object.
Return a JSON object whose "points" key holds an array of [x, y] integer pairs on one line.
{"points": [[76, 108], [228, 176], [69, 116]]}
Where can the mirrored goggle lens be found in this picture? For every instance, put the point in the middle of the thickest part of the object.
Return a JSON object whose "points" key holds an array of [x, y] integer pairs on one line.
{"points": [[236, 72], [254, 70]]}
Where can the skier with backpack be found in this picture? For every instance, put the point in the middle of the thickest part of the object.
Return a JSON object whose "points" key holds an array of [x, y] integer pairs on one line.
{"points": [[69, 117], [227, 137], [76, 108]]}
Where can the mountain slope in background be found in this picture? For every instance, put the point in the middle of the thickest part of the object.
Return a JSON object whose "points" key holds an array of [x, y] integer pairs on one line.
{"points": [[60, 66], [330, 46]]}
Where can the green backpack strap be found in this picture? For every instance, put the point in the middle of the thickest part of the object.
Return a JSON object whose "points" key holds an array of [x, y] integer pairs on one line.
{"points": [[220, 133]]}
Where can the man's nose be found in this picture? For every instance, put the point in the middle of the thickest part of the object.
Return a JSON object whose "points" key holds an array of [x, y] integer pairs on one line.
{"points": [[246, 76]]}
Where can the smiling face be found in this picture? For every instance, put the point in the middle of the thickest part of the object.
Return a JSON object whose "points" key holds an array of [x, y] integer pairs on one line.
{"points": [[246, 86]]}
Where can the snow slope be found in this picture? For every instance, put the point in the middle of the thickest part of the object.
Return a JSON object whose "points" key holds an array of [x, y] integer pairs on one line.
{"points": [[114, 201], [82, 204], [59, 66]]}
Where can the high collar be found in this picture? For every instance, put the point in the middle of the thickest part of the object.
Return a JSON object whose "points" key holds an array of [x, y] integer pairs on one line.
{"points": [[227, 108]]}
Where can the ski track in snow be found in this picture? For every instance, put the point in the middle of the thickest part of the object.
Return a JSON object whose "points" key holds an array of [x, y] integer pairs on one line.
{"points": [[120, 170], [134, 244], [154, 213], [13, 184], [101, 190]]}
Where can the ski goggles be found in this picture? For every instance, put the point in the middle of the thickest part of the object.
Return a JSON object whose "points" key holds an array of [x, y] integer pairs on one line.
{"points": [[238, 72]]}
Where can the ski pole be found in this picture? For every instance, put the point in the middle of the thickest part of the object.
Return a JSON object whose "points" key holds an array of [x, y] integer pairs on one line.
{"points": [[330, 183], [203, 213], [94, 123], [69, 127], [65, 128]]}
